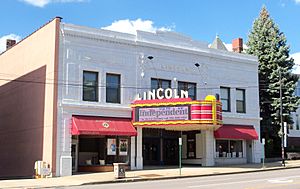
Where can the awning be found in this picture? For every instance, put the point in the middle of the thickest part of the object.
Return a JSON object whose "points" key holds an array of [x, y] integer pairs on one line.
{"points": [[90, 125], [246, 132]]}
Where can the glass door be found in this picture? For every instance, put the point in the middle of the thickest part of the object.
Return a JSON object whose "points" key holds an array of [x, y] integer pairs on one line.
{"points": [[151, 151], [171, 151]]}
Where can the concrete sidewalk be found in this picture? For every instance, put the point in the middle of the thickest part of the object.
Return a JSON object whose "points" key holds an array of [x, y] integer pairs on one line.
{"points": [[142, 175]]}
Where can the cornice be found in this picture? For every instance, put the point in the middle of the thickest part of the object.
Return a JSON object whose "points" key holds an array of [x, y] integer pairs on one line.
{"points": [[129, 39]]}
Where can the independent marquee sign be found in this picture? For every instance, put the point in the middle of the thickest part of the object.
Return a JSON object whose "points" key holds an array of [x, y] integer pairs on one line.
{"points": [[177, 113]]}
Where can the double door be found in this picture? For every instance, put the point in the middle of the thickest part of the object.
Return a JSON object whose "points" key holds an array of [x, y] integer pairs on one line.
{"points": [[160, 151], [151, 151]]}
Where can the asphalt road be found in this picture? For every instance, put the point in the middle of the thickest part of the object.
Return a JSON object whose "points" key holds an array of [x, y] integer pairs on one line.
{"points": [[287, 179]]}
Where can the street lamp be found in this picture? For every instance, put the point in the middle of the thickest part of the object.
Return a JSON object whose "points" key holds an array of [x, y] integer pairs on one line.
{"points": [[205, 83], [143, 73]]}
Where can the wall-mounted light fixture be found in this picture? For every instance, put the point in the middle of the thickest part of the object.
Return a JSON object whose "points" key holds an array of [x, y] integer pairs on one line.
{"points": [[150, 57]]}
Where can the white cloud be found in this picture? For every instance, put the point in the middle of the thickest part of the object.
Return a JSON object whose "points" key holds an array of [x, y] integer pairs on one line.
{"points": [[131, 26], [42, 3], [229, 46], [37, 3], [4, 38], [296, 57], [297, 1]]}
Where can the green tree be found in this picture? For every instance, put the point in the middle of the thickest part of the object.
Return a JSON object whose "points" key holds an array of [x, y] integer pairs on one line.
{"points": [[269, 45]]}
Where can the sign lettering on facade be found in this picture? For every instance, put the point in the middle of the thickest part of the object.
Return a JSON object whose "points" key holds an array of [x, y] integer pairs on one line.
{"points": [[164, 113], [162, 94]]}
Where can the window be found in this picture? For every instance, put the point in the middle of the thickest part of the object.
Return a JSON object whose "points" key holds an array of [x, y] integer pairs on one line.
{"points": [[225, 98], [229, 148], [94, 151], [222, 148], [240, 101], [190, 87], [297, 122], [90, 86], [235, 147], [160, 83], [297, 91], [113, 88]]}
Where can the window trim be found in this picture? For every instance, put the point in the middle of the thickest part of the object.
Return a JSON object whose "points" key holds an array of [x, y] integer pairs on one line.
{"points": [[119, 88], [228, 100], [96, 87], [244, 100]]}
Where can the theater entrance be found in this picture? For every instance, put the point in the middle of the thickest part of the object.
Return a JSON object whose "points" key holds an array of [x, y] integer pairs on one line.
{"points": [[160, 147]]}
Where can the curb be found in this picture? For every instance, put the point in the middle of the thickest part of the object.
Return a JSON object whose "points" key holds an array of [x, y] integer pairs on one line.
{"points": [[185, 176]]}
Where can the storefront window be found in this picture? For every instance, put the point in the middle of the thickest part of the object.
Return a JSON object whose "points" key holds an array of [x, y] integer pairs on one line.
{"points": [[90, 86], [190, 87], [229, 148], [236, 148], [102, 150], [113, 88], [222, 148]]}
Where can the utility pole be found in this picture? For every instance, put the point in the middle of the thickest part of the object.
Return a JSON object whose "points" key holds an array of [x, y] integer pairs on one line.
{"points": [[281, 121]]}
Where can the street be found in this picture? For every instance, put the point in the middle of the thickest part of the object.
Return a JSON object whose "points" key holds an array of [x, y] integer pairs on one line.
{"points": [[289, 178]]}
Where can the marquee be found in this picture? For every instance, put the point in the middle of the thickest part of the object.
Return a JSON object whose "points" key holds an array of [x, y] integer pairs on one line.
{"points": [[178, 114]]}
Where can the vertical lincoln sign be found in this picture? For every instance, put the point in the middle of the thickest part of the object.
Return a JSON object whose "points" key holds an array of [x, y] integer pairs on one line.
{"points": [[168, 113]]}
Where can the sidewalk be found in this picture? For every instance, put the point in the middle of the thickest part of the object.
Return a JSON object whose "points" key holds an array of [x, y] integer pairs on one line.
{"points": [[141, 175]]}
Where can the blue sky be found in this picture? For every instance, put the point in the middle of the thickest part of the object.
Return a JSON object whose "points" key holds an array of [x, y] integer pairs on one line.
{"points": [[201, 20]]}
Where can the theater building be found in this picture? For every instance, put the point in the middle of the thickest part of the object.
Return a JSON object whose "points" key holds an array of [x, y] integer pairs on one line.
{"points": [[293, 139], [82, 98]]}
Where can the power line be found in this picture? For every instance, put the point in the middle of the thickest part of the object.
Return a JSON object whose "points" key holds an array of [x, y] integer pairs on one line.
{"points": [[132, 87]]}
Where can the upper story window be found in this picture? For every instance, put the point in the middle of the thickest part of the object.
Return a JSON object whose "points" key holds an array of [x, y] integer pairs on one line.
{"points": [[297, 91], [190, 87], [240, 101], [113, 88], [90, 86], [160, 83], [297, 122], [225, 98]]}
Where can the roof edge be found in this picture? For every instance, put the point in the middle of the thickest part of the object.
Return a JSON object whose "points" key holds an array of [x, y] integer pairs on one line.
{"points": [[55, 18]]}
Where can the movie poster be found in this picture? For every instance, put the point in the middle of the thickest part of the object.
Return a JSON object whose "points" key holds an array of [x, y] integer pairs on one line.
{"points": [[123, 147], [111, 146]]}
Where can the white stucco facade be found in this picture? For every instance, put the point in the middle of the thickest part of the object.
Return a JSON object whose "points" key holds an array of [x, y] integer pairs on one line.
{"points": [[294, 129], [174, 56]]}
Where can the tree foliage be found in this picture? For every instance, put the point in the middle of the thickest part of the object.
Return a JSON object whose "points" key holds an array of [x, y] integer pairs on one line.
{"points": [[269, 44]]}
